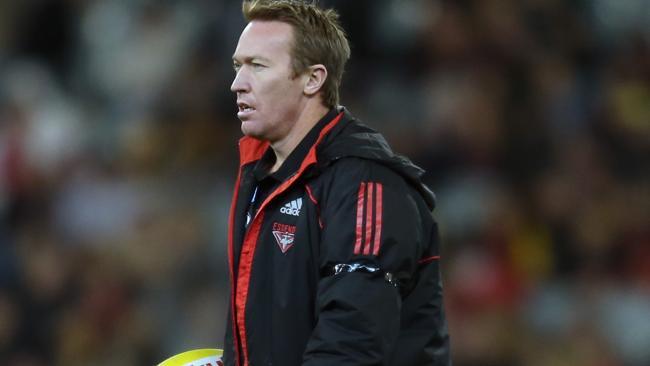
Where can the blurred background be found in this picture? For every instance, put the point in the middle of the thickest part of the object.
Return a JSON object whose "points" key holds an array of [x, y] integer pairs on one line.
{"points": [[118, 154]]}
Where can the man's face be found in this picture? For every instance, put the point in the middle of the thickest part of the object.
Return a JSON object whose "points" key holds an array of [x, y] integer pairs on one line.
{"points": [[269, 97]]}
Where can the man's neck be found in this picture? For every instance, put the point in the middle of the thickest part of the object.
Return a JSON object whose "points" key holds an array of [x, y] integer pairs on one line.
{"points": [[306, 121]]}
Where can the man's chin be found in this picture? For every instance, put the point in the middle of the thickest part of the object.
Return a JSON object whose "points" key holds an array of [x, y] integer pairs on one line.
{"points": [[248, 129]]}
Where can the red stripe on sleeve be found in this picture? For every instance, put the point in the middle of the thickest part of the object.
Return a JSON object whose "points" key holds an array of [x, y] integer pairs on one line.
{"points": [[369, 212], [360, 205], [378, 218]]}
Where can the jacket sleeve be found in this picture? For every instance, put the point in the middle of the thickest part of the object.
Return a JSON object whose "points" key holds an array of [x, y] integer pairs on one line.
{"points": [[373, 235]]}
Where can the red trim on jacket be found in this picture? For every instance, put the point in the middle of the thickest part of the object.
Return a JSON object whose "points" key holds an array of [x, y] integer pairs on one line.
{"points": [[428, 259], [243, 282], [250, 150], [231, 264], [315, 202]]}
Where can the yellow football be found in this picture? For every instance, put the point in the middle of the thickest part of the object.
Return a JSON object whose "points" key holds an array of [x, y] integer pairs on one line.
{"points": [[197, 357]]}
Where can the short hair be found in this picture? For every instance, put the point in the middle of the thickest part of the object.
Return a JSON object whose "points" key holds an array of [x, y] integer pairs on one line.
{"points": [[318, 38]]}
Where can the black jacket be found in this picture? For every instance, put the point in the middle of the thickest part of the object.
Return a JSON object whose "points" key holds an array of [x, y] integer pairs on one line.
{"points": [[340, 264]]}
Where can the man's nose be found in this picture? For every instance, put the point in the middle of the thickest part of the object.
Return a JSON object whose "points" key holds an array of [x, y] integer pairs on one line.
{"points": [[240, 84]]}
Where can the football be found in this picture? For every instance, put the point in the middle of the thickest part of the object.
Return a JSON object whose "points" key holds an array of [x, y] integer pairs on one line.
{"points": [[197, 357]]}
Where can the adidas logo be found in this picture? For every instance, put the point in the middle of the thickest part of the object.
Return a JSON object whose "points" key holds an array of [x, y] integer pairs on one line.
{"points": [[292, 208]]}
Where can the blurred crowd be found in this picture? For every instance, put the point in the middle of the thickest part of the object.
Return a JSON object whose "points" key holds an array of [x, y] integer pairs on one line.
{"points": [[118, 149]]}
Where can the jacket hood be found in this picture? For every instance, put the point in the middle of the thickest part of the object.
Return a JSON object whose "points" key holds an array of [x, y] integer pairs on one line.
{"points": [[351, 138]]}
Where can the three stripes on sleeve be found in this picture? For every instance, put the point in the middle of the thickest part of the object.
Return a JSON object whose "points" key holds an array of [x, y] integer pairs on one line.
{"points": [[369, 219]]}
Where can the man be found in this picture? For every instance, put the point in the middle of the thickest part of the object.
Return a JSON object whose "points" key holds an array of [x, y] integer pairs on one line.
{"points": [[333, 251]]}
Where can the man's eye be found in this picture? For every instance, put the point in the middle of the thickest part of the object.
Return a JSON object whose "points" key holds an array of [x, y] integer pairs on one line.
{"points": [[257, 66]]}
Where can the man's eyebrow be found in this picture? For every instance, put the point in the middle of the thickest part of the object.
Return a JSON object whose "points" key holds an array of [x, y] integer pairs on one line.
{"points": [[249, 59]]}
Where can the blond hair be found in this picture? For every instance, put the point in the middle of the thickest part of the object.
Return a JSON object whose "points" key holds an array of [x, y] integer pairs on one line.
{"points": [[318, 38]]}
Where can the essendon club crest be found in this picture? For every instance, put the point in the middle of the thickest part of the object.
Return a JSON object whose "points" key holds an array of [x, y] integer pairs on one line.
{"points": [[284, 235]]}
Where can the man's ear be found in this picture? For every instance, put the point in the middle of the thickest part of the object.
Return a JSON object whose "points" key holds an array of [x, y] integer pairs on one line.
{"points": [[317, 74]]}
